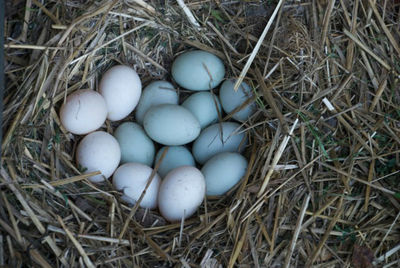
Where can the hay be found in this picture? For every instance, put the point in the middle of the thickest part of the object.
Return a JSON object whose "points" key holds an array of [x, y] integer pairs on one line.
{"points": [[325, 194]]}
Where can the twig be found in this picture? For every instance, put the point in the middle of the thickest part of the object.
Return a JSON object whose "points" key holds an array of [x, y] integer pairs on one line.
{"points": [[46, 11], [257, 47], [387, 254], [188, 13], [110, 42], [297, 231], [209, 23], [387, 233], [367, 49], [77, 245], [327, 233], [34, 47], [368, 190], [22, 200], [276, 158], [331, 108]]}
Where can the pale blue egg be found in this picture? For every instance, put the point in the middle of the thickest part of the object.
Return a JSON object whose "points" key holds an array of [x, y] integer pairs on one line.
{"points": [[198, 70], [156, 93], [203, 106], [231, 99], [135, 145], [171, 124], [176, 156], [211, 142], [223, 171]]}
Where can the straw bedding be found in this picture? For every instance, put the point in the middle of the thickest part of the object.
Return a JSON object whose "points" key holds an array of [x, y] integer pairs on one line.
{"points": [[322, 188]]}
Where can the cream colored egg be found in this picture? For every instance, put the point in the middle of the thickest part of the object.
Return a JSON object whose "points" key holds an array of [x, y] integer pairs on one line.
{"points": [[98, 151], [121, 88], [181, 193], [84, 111], [132, 178]]}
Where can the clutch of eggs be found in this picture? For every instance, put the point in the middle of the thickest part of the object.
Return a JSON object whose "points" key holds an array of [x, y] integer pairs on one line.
{"points": [[198, 154]]}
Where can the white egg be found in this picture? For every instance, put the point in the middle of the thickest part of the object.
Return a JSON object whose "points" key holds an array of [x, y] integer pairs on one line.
{"points": [[98, 151], [121, 88], [84, 111], [181, 193], [132, 178]]}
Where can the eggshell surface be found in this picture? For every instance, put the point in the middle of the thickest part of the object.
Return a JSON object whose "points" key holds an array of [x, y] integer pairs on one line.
{"points": [[171, 124], [132, 178], [198, 70], [231, 99], [84, 111], [98, 151], [223, 171], [176, 156], [204, 106], [181, 193], [156, 93], [135, 145], [121, 88], [211, 142]]}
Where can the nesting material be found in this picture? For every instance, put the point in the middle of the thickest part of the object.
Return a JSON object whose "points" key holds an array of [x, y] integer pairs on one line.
{"points": [[322, 184]]}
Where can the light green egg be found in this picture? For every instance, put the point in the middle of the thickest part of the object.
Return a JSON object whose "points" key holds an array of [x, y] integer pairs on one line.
{"points": [[231, 99], [156, 93], [170, 124], [203, 106], [176, 156], [135, 145], [218, 138], [198, 70], [223, 171]]}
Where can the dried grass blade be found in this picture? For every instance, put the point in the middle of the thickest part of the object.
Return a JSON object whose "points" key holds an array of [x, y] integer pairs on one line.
{"points": [[367, 49], [258, 45], [297, 231], [276, 158], [77, 245]]}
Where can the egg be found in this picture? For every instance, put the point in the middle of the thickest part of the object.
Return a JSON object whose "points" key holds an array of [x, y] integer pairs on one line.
{"points": [[156, 93], [198, 70], [210, 142], [84, 111], [176, 156], [204, 106], [181, 193], [135, 145], [98, 151], [223, 171], [231, 99], [121, 88], [132, 178], [171, 124]]}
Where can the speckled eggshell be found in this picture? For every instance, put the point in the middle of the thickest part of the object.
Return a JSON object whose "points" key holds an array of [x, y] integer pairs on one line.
{"points": [[98, 151], [121, 88], [171, 124], [132, 178], [135, 145], [198, 70], [203, 106], [231, 99], [176, 156], [84, 111], [156, 93], [209, 143], [181, 193], [223, 171]]}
